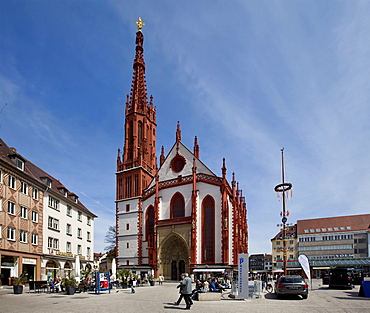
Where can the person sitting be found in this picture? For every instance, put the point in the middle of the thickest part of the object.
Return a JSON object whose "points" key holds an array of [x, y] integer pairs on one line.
{"points": [[214, 286], [56, 284], [59, 284], [206, 286], [91, 285], [198, 288], [52, 286]]}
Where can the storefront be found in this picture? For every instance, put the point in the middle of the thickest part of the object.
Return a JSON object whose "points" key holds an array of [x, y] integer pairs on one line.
{"points": [[9, 268], [29, 267], [62, 265], [52, 269], [14, 264]]}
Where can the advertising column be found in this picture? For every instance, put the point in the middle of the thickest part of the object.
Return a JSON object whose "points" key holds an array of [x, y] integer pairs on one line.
{"points": [[243, 276]]}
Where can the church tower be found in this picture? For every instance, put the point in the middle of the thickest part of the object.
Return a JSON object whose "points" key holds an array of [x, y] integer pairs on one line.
{"points": [[136, 167], [180, 217]]}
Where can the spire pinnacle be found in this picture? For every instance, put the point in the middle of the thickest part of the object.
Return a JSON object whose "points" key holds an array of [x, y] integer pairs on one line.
{"points": [[178, 132], [224, 168], [138, 100], [196, 147], [162, 158], [139, 24]]}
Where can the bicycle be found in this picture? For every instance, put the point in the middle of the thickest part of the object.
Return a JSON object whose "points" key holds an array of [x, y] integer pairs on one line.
{"points": [[269, 288]]}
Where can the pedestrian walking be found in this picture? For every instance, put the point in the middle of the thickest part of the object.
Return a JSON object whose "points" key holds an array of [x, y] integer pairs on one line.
{"points": [[185, 290], [182, 276], [160, 279], [133, 284]]}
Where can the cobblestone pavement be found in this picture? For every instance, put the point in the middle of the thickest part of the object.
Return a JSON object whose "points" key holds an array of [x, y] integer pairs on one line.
{"points": [[161, 298]]}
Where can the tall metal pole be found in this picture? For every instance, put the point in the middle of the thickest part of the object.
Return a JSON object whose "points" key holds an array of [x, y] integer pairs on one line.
{"points": [[283, 187], [284, 214]]}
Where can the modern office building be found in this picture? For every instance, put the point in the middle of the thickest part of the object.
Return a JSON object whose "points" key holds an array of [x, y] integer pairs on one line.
{"points": [[341, 241], [335, 241]]}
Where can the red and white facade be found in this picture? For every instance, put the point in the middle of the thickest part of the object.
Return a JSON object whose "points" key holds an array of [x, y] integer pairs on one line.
{"points": [[178, 217]]}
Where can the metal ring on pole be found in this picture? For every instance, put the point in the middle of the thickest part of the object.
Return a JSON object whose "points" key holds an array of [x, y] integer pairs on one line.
{"points": [[283, 187]]}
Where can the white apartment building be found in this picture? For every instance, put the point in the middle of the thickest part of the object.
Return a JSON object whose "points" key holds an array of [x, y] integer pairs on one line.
{"points": [[44, 228], [68, 232]]}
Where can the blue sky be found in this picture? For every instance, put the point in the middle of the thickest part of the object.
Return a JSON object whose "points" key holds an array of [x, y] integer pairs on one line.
{"points": [[246, 77]]}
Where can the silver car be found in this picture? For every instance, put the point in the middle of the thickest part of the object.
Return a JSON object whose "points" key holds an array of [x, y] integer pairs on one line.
{"points": [[291, 285]]}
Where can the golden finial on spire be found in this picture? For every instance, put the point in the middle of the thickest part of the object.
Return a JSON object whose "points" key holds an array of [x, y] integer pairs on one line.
{"points": [[139, 24]]}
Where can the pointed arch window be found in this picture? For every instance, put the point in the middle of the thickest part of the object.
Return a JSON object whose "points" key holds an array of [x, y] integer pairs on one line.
{"points": [[130, 133], [208, 224], [149, 230], [177, 206], [140, 132]]}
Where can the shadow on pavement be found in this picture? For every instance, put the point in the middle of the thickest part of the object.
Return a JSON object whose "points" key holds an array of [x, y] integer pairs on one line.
{"points": [[173, 306], [272, 296]]}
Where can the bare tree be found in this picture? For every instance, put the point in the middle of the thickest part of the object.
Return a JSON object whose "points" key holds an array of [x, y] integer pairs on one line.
{"points": [[110, 238]]}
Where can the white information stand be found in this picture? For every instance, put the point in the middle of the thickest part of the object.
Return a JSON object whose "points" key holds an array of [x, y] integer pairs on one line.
{"points": [[243, 275]]}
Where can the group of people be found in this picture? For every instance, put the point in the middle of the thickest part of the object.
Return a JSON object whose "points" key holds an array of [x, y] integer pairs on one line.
{"points": [[56, 284], [189, 294]]}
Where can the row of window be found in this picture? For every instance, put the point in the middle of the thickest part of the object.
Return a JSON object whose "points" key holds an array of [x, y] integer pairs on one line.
{"points": [[278, 242], [328, 247], [325, 257], [23, 211], [12, 183], [278, 257], [53, 243], [53, 223], [332, 237], [34, 214], [54, 203], [324, 229], [23, 235]]}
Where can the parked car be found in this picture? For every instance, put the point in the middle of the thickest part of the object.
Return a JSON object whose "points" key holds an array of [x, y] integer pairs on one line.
{"points": [[291, 285], [340, 277]]}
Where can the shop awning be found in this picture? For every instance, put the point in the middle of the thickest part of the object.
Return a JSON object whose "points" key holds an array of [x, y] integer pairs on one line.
{"points": [[209, 270], [277, 271]]}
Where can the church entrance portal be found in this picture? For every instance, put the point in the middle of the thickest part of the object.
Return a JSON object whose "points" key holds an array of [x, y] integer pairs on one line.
{"points": [[174, 257]]}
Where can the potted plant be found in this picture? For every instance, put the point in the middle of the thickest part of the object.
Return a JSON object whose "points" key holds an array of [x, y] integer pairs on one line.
{"points": [[18, 283], [151, 280], [1, 281], [125, 274], [69, 283]]}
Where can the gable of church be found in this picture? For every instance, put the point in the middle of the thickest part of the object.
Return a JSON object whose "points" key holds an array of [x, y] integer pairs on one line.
{"points": [[179, 161]]}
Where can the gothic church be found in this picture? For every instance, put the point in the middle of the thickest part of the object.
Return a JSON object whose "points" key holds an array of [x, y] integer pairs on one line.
{"points": [[180, 217]]}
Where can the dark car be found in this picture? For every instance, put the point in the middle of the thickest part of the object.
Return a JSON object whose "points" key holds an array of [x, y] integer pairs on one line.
{"points": [[340, 278], [291, 285]]}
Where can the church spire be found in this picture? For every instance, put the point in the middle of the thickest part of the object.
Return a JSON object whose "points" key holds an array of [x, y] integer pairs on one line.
{"points": [[138, 99], [138, 165]]}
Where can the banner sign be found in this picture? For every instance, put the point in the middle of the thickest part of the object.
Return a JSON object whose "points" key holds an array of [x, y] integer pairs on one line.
{"points": [[102, 282], [243, 275], [303, 260]]}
